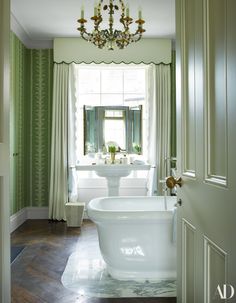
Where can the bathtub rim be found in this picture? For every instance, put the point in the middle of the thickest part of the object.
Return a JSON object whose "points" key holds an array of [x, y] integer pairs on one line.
{"points": [[101, 215]]}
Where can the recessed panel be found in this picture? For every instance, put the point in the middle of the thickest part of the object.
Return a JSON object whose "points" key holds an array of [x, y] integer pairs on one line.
{"points": [[216, 98], [1, 190], [1, 122], [1, 93], [215, 272], [189, 124], [188, 262]]}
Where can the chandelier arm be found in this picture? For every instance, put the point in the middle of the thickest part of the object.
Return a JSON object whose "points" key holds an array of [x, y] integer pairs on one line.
{"points": [[135, 37], [85, 35]]}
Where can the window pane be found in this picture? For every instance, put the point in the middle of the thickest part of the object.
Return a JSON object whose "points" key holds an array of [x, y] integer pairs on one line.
{"points": [[114, 113], [89, 99], [112, 99], [134, 81], [114, 130], [89, 81], [112, 81], [90, 130]]}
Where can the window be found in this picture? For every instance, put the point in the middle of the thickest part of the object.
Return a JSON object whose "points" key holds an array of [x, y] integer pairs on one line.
{"points": [[111, 102]]}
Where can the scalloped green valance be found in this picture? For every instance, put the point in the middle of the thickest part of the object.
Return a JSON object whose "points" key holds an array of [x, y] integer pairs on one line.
{"points": [[148, 50]]}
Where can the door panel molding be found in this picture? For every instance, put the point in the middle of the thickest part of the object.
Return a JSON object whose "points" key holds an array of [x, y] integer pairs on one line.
{"points": [[188, 91], [215, 270], [216, 131], [188, 262]]}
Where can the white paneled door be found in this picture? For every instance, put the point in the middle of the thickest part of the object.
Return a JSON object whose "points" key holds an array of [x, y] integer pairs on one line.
{"points": [[206, 132]]}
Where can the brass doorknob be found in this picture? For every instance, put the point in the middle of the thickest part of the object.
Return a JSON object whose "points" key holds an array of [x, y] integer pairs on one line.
{"points": [[171, 182]]}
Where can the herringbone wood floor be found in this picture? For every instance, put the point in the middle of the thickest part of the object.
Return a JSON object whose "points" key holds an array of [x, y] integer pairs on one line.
{"points": [[36, 274]]}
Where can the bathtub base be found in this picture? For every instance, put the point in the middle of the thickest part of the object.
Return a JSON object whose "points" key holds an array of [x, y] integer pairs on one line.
{"points": [[140, 276], [136, 236]]}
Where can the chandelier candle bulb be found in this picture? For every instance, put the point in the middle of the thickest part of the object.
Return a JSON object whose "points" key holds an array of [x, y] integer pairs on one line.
{"points": [[82, 12], [95, 9], [140, 13], [127, 11]]}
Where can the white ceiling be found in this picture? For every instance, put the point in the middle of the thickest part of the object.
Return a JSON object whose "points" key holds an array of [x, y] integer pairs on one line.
{"points": [[46, 19]]}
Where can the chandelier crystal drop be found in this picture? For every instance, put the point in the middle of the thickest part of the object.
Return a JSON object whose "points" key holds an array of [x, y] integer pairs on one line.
{"points": [[111, 37]]}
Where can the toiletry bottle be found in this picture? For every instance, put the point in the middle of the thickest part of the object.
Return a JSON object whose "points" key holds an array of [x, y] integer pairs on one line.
{"points": [[125, 160], [104, 150]]}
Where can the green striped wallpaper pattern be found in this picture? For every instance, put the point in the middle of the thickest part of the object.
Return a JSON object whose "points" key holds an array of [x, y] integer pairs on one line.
{"points": [[17, 127], [31, 96], [41, 64]]}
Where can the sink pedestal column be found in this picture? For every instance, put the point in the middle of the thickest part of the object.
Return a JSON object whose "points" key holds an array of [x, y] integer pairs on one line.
{"points": [[113, 184]]}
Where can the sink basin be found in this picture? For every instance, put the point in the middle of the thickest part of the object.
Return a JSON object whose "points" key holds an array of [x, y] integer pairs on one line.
{"points": [[113, 170]]}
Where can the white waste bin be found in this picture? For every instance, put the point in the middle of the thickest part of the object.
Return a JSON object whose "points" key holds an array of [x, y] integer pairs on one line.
{"points": [[74, 214]]}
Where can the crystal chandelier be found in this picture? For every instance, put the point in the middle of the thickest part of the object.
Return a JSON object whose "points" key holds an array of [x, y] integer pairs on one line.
{"points": [[111, 37]]}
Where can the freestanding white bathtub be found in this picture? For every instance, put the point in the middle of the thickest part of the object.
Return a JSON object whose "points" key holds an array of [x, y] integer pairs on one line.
{"points": [[136, 236]]}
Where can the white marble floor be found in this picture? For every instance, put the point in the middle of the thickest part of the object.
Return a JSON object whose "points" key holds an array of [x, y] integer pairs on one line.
{"points": [[85, 274]]}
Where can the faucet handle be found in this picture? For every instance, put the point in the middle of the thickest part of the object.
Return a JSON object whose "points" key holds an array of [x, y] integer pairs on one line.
{"points": [[171, 182]]}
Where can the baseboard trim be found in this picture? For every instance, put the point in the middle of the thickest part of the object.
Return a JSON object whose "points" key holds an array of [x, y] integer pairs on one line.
{"points": [[27, 213], [17, 219], [37, 212]]}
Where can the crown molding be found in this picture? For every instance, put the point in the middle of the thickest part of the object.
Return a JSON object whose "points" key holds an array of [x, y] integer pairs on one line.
{"points": [[21, 33]]}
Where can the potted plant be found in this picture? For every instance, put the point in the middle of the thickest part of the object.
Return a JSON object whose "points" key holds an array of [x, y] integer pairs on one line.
{"points": [[112, 151], [137, 148]]}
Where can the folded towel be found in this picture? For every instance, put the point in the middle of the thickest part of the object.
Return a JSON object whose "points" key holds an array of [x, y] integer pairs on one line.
{"points": [[174, 225], [152, 182], [138, 162]]}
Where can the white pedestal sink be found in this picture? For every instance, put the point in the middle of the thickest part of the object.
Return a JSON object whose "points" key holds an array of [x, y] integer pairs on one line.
{"points": [[113, 173]]}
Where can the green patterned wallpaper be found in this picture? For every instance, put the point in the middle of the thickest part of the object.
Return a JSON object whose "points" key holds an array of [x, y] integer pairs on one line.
{"points": [[31, 91], [17, 127], [41, 62]]}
